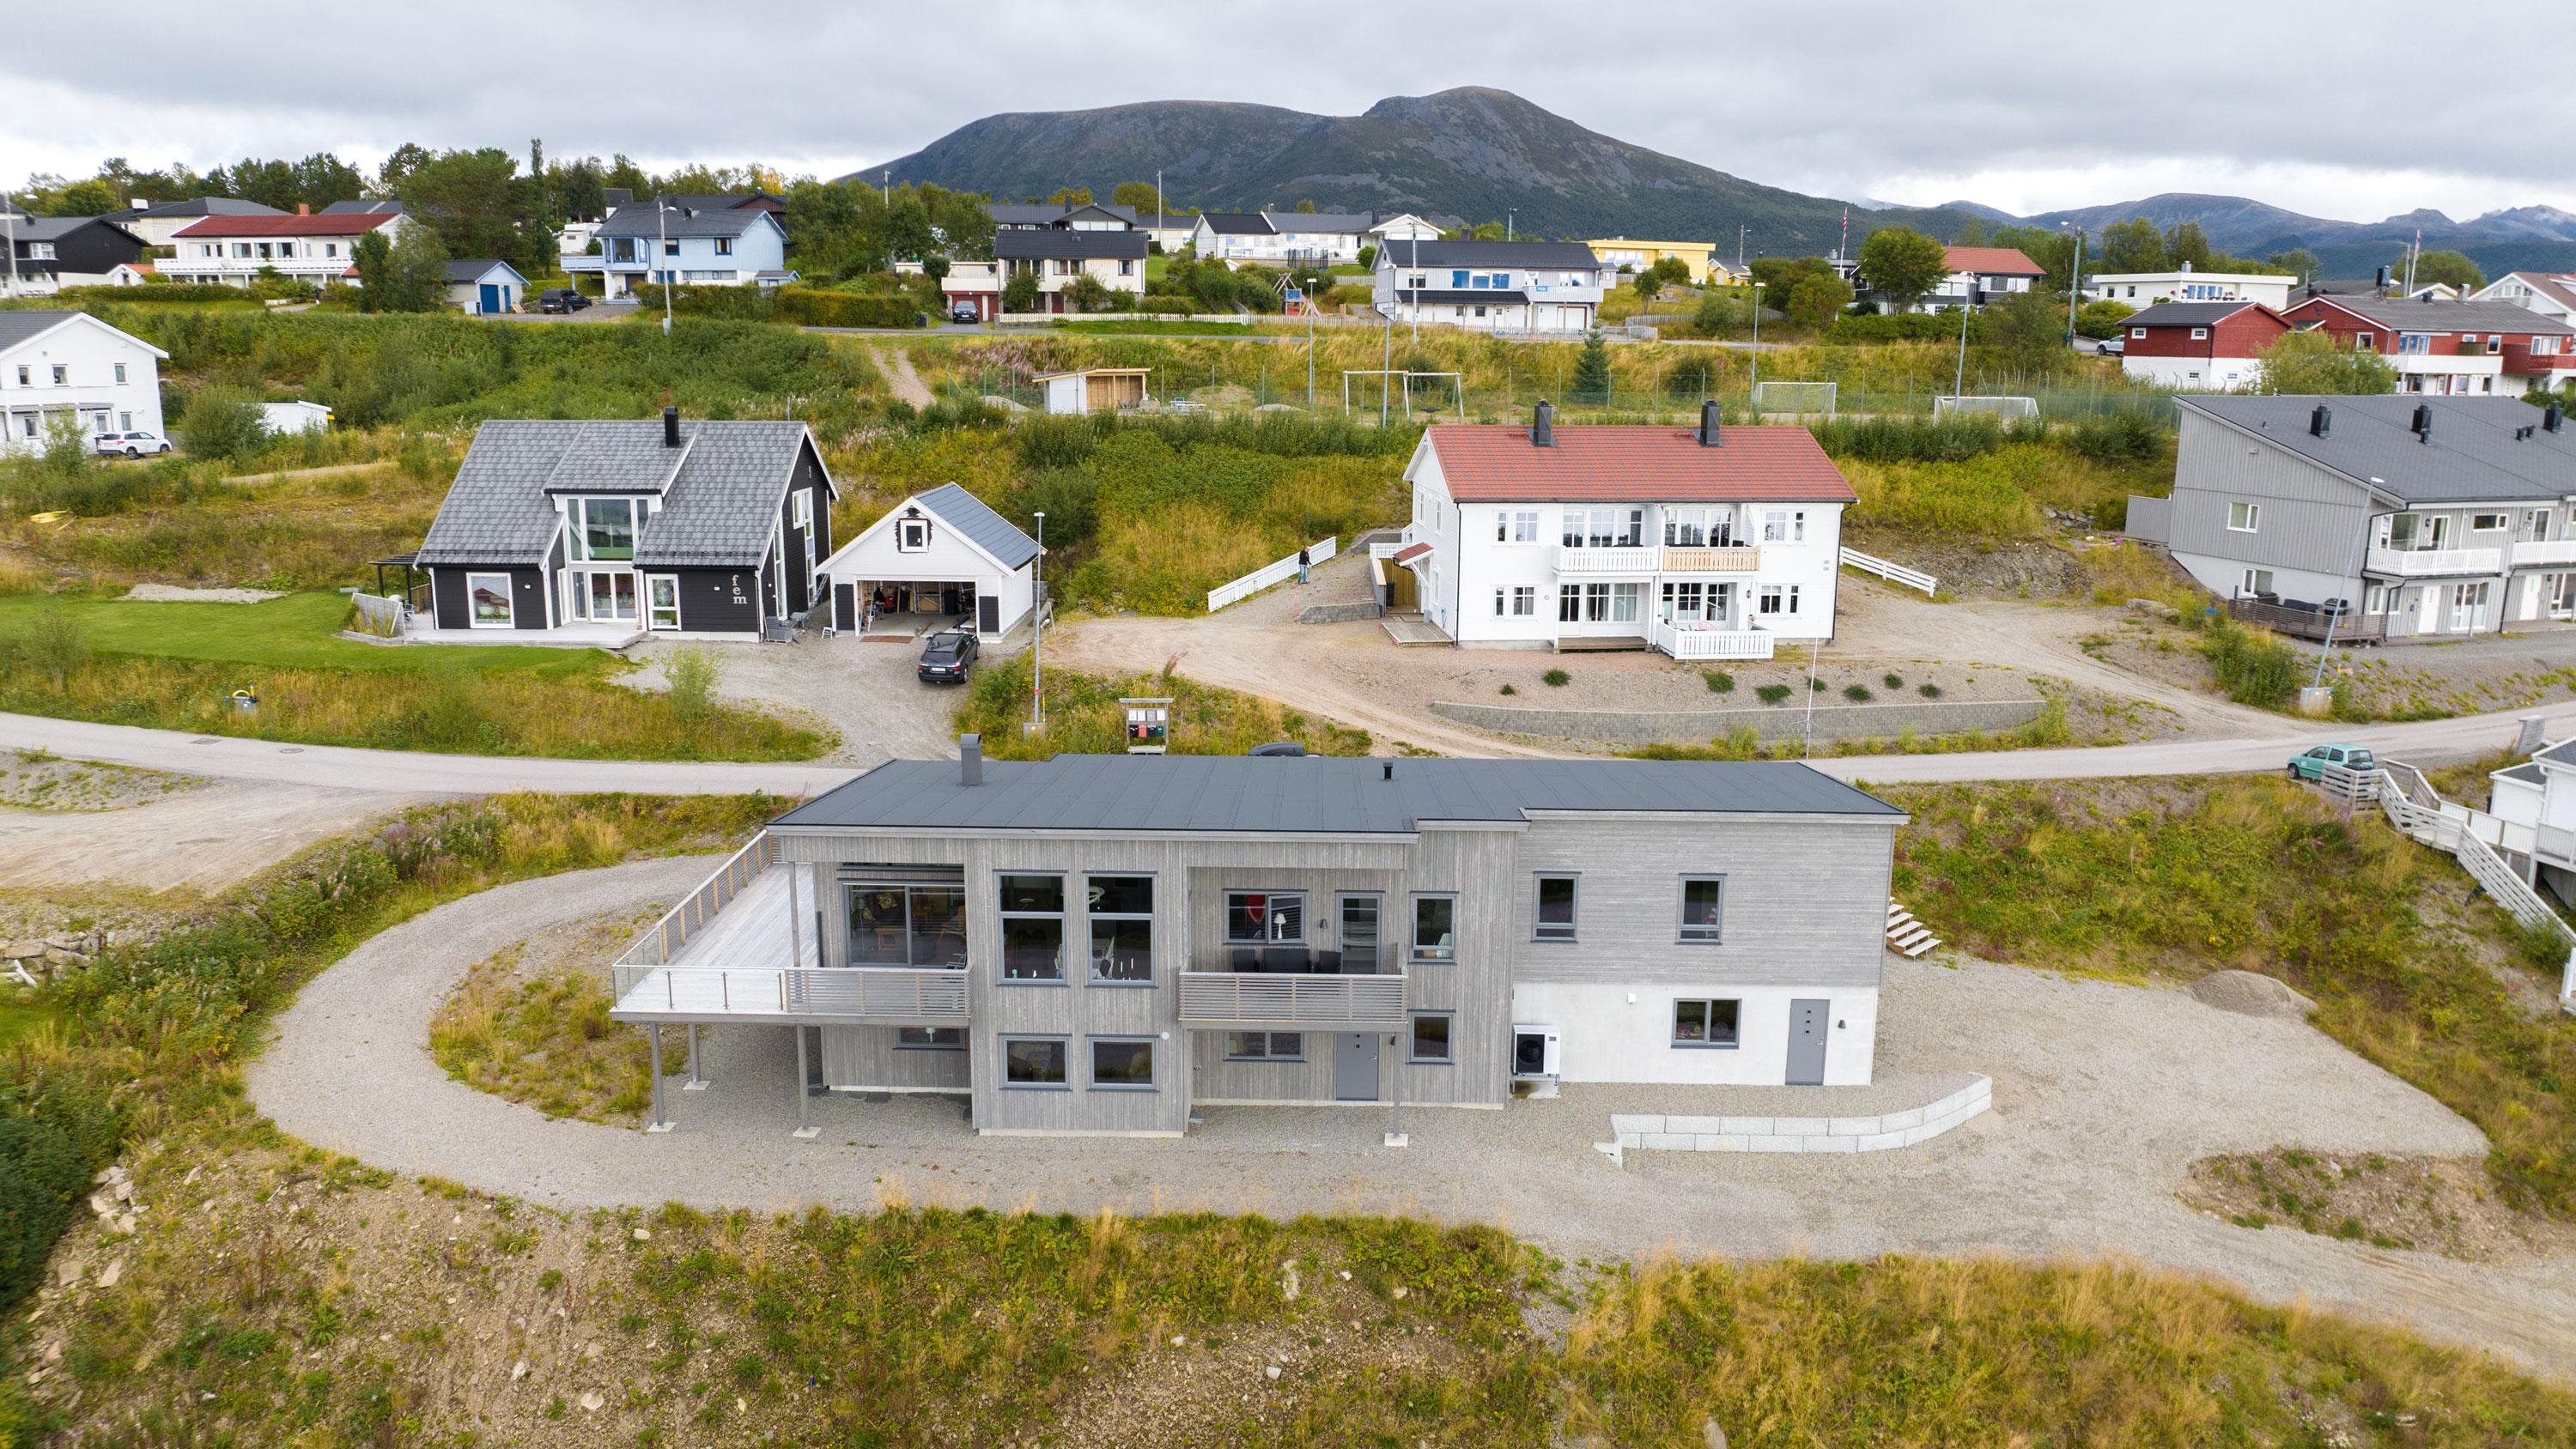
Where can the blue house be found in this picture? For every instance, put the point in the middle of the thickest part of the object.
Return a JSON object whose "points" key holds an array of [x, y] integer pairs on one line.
{"points": [[668, 242]]}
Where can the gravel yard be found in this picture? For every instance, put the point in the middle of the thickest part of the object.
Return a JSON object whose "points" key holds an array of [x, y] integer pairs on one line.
{"points": [[33, 780], [2104, 1096], [865, 693]]}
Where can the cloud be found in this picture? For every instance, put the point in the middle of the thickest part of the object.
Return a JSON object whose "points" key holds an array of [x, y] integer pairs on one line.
{"points": [[2012, 102]]}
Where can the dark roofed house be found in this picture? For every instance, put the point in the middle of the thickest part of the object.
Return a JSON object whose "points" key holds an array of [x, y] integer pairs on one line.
{"points": [[1056, 256], [2199, 346], [389, 206], [607, 530], [1099, 945], [72, 251], [485, 287], [2429, 516], [1490, 286], [1708, 542], [158, 222]]}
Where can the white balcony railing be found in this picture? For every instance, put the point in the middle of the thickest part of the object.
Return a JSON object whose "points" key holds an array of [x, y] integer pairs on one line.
{"points": [[1741, 558], [2429, 562], [1632, 562], [1682, 641], [2544, 551], [884, 995], [1280, 999]]}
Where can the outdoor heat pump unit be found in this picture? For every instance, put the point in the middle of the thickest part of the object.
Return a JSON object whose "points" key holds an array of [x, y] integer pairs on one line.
{"points": [[1534, 1053]]}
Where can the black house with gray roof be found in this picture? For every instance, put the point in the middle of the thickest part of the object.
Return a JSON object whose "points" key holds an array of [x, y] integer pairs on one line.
{"points": [[695, 527]]}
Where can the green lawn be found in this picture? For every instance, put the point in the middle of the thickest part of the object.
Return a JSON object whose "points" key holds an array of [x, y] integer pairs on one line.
{"points": [[299, 631]]}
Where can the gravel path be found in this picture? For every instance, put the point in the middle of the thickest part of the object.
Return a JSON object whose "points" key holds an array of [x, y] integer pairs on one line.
{"points": [[204, 838], [2103, 1094]]}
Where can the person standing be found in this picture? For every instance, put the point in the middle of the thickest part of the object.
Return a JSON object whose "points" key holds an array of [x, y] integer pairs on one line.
{"points": [[1302, 562]]}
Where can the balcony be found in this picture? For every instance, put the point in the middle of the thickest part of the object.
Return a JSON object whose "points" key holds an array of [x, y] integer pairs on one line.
{"points": [[1624, 561], [1687, 641], [1292, 1001], [847, 995], [2415, 563], [2544, 551], [2521, 360], [1743, 558]]}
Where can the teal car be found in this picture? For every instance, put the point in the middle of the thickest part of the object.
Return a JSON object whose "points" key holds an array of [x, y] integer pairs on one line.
{"points": [[2311, 764]]}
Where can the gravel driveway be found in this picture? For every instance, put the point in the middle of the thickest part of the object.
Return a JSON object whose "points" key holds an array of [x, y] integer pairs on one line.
{"points": [[865, 693], [2103, 1094]]}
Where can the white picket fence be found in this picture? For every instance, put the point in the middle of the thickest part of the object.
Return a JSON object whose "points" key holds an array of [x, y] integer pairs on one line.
{"points": [[2413, 806], [1268, 574], [1894, 573]]}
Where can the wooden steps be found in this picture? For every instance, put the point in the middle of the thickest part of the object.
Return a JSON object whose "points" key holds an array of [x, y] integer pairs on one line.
{"points": [[1905, 935]]}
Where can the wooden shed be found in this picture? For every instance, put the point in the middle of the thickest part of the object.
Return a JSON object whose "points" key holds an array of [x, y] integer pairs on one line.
{"points": [[1094, 389]]}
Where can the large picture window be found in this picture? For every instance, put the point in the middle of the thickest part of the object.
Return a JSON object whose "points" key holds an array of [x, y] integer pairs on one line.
{"points": [[1265, 918], [604, 528], [908, 925], [1435, 928], [1122, 1064], [1034, 1063], [1704, 1023], [1032, 908], [487, 599], [1121, 909]]}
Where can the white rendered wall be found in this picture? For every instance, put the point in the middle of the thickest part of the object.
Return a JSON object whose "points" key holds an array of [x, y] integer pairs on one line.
{"points": [[1624, 1033], [91, 353]]}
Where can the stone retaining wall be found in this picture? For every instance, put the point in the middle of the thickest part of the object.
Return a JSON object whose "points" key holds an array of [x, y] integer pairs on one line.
{"points": [[1786, 720], [1645, 1132]]}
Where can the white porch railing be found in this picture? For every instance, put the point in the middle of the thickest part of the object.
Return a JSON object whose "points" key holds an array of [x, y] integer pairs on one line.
{"points": [[2426, 562], [1687, 643], [883, 995], [666, 936], [2417, 810], [1894, 573], [1632, 562], [1277, 571], [2544, 551], [1291, 999]]}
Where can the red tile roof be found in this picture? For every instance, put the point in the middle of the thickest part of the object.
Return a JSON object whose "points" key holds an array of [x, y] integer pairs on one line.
{"points": [[344, 224], [1411, 551], [2004, 261], [1771, 463]]}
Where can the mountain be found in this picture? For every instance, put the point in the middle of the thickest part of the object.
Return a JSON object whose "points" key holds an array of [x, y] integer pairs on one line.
{"points": [[2539, 237], [1471, 152]]}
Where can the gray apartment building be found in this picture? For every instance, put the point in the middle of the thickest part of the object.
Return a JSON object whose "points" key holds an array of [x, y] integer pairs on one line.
{"points": [[1099, 944], [2425, 517]]}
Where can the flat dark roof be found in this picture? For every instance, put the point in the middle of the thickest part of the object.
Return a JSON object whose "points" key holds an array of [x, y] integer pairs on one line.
{"points": [[1156, 794]]}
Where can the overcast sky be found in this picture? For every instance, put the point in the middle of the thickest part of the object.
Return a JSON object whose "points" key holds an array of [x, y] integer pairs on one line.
{"points": [[2302, 103]]}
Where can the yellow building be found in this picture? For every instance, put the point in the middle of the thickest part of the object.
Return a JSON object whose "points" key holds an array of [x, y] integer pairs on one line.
{"points": [[1619, 251]]}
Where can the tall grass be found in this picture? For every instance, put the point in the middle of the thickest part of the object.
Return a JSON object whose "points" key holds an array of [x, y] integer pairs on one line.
{"points": [[1084, 717], [2191, 876]]}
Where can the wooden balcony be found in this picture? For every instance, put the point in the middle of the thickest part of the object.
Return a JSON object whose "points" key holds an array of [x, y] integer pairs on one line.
{"points": [[1292, 1001], [1742, 558]]}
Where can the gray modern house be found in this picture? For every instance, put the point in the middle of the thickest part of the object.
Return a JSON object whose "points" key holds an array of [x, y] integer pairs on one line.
{"points": [[2385, 517], [1098, 944], [600, 531]]}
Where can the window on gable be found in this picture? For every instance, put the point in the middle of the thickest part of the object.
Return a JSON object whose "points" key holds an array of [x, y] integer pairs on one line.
{"points": [[724, 246]]}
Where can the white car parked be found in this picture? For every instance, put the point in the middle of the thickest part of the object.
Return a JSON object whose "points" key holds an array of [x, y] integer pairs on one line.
{"points": [[131, 445]]}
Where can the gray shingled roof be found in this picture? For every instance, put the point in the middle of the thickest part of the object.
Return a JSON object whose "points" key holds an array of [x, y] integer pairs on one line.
{"points": [[1353, 222], [1159, 793], [1052, 242], [2405, 314], [639, 219], [970, 516], [2186, 314], [1488, 254], [722, 500], [391, 207], [1012, 214], [202, 206], [2473, 456], [472, 270], [1239, 223], [2526, 772]]}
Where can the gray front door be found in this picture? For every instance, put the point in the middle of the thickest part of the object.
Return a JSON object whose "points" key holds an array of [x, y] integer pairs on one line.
{"points": [[1355, 1066], [1807, 1027]]}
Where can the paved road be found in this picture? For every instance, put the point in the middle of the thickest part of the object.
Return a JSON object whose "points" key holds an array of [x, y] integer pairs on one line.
{"points": [[412, 773]]}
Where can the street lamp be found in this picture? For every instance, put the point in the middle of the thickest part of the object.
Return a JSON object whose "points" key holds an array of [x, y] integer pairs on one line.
{"points": [[2074, 282], [1037, 643], [1750, 398], [1509, 212]]}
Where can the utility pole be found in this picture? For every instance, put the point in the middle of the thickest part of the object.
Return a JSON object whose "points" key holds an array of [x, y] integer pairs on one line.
{"points": [[1740, 233], [1037, 642], [662, 224], [1509, 212], [9, 239], [1757, 351], [1959, 383], [2074, 285], [1158, 207], [885, 186]]}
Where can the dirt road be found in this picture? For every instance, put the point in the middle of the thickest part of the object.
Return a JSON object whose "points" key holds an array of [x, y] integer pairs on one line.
{"points": [[900, 378], [204, 839]]}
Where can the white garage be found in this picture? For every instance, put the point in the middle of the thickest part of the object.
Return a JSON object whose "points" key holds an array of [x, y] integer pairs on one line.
{"points": [[937, 559]]}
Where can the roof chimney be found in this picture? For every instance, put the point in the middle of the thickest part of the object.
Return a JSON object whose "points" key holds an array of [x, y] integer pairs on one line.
{"points": [[2321, 422], [2423, 424], [2553, 417], [970, 759], [1543, 425], [304, 208], [1389, 767], [1708, 424], [670, 427]]}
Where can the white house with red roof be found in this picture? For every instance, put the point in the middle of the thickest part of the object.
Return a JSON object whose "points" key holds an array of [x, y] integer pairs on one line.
{"points": [[233, 250], [2551, 294], [1713, 542]]}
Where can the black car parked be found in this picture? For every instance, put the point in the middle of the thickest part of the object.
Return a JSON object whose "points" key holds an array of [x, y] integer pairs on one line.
{"points": [[946, 658], [561, 299]]}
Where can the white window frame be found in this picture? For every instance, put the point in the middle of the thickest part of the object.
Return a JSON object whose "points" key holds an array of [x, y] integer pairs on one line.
{"points": [[2244, 517], [1524, 601], [912, 535], [509, 593], [2254, 581], [2488, 522], [2200, 334]]}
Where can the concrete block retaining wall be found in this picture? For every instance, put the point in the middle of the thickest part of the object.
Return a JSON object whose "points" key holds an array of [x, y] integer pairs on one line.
{"points": [[1339, 613], [1787, 720], [1642, 1132]]}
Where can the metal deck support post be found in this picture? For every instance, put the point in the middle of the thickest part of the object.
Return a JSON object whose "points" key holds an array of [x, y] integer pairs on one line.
{"points": [[661, 1120], [1395, 1133], [805, 1129], [696, 1083]]}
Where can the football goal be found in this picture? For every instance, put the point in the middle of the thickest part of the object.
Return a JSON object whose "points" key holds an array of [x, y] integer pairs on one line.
{"points": [[1799, 399], [2007, 408], [1408, 392]]}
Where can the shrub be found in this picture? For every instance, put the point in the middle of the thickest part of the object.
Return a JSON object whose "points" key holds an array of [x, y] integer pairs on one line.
{"points": [[1773, 693], [1718, 681], [2122, 437], [818, 307], [55, 644], [1167, 302], [1507, 689], [1818, 685], [44, 1169], [222, 422], [2253, 666], [1054, 442], [693, 672], [1557, 678], [1857, 693], [1893, 681], [1928, 691]]}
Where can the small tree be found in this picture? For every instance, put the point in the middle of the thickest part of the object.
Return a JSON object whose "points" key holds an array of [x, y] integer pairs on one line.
{"points": [[1720, 313], [694, 672], [1020, 293], [1136, 195], [1592, 370], [56, 644], [1368, 258], [935, 267], [2310, 362], [1673, 270], [1902, 265], [1646, 284], [1815, 299], [2102, 318], [1086, 293], [2026, 328], [2448, 269], [222, 422]]}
